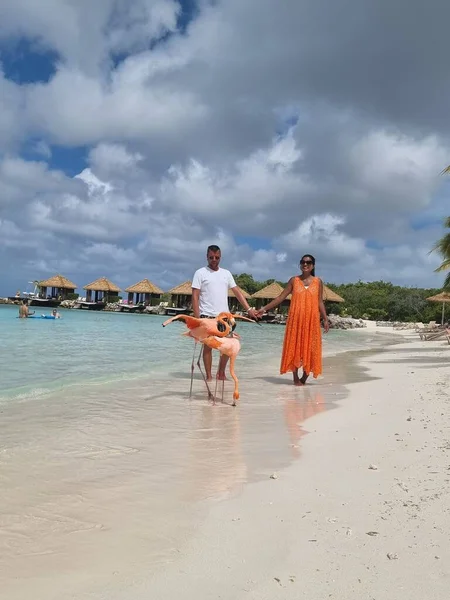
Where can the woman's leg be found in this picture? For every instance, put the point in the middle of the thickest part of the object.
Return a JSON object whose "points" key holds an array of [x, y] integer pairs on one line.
{"points": [[297, 380]]}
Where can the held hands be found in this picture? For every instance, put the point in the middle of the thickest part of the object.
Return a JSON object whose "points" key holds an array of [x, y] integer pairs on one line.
{"points": [[253, 313]]}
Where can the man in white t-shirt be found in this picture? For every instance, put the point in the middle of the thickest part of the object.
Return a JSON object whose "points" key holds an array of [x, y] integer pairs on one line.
{"points": [[210, 287]]}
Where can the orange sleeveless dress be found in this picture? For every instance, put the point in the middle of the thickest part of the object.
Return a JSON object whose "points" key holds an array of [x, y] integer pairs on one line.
{"points": [[302, 346]]}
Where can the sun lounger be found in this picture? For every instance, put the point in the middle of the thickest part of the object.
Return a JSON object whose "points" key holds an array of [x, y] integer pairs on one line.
{"points": [[426, 332], [435, 336]]}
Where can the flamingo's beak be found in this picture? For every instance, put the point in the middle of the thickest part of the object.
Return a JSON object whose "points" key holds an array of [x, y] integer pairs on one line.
{"points": [[246, 319]]}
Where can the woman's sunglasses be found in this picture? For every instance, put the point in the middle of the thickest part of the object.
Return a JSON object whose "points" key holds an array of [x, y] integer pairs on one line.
{"points": [[306, 262]]}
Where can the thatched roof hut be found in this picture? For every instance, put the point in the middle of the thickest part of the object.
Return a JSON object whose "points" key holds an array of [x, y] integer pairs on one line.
{"points": [[274, 289], [103, 289], [244, 293], [144, 287], [143, 291], [181, 295], [59, 285], [269, 292], [330, 296], [233, 302]]}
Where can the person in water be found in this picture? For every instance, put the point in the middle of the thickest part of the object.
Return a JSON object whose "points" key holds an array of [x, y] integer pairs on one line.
{"points": [[56, 314], [302, 346], [210, 287], [24, 311]]}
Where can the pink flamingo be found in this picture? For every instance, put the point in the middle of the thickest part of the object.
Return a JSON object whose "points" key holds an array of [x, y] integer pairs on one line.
{"points": [[218, 334]]}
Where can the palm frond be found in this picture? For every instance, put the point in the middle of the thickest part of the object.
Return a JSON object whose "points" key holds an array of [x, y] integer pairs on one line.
{"points": [[446, 171], [444, 266], [447, 282]]}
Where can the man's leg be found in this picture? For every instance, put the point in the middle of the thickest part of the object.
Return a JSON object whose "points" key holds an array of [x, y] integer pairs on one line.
{"points": [[222, 366], [207, 361]]}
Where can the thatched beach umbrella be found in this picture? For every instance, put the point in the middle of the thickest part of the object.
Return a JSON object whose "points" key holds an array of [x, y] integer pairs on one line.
{"points": [[103, 288], [60, 286], [442, 297], [181, 294], [145, 290]]}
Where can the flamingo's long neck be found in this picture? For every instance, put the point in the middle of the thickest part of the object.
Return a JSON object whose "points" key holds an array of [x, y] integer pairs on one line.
{"points": [[226, 325]]}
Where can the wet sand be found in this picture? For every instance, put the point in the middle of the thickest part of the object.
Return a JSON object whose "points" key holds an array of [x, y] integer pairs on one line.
{"points": [[159, 502]]}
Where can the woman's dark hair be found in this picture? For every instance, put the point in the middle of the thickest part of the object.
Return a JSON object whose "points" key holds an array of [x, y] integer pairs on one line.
{"points": [[310, 256]]}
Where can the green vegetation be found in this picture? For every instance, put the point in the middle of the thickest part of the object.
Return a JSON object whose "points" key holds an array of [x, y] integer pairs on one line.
{"points": [[384, 301], [247, 283], [377, 300]]}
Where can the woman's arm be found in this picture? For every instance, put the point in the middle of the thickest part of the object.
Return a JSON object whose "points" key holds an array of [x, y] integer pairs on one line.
{"points": [[278, 300], [322, 310]]}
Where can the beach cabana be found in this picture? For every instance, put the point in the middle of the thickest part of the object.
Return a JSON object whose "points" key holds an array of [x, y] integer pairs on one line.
{"points": [[268, 293], [58, 287], [233, 302], [143, 292], [330, 296], [443, 297], [181, 295], [274, 289], [100, 290]]}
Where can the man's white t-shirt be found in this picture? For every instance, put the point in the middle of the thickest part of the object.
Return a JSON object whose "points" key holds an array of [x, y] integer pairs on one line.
{"points": [[213, 286]]}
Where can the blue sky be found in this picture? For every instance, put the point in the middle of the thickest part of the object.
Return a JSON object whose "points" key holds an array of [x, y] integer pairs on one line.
{"points": [[133, 135]]}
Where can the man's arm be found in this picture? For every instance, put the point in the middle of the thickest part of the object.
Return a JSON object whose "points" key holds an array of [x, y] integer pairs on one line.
{"points": [[243, 302], [196, 302]]}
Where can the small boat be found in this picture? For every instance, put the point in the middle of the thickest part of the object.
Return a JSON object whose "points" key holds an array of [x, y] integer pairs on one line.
{"points": [[172, 311], [82, 304], [131, 308]]}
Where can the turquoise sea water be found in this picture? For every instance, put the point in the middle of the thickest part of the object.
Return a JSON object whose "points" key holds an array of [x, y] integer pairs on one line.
{"points": [[106, 464], [39, 356]]}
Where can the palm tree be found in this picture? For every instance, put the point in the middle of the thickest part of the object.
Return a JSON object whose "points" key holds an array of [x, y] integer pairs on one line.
{"points": [[443, 247]]}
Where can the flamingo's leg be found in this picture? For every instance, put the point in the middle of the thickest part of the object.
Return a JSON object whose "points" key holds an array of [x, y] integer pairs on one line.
{"points": [[236, 381], [193, 366], [215, 389], [210, 395]]}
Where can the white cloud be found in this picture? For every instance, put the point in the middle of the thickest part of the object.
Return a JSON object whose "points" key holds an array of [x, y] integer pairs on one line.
{"points": [[398, 167]]}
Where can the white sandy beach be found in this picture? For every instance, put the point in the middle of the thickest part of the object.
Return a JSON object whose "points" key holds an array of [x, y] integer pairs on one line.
{"points": [[302, 534], [330, 526]]}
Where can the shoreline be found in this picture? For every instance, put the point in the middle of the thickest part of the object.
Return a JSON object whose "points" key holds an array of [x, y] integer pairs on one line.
{"points": [[239, 512], [305, 534], [72, 384]]}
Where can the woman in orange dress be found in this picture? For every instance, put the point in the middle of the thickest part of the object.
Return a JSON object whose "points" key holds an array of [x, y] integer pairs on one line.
{"points": [[302, 345]]}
